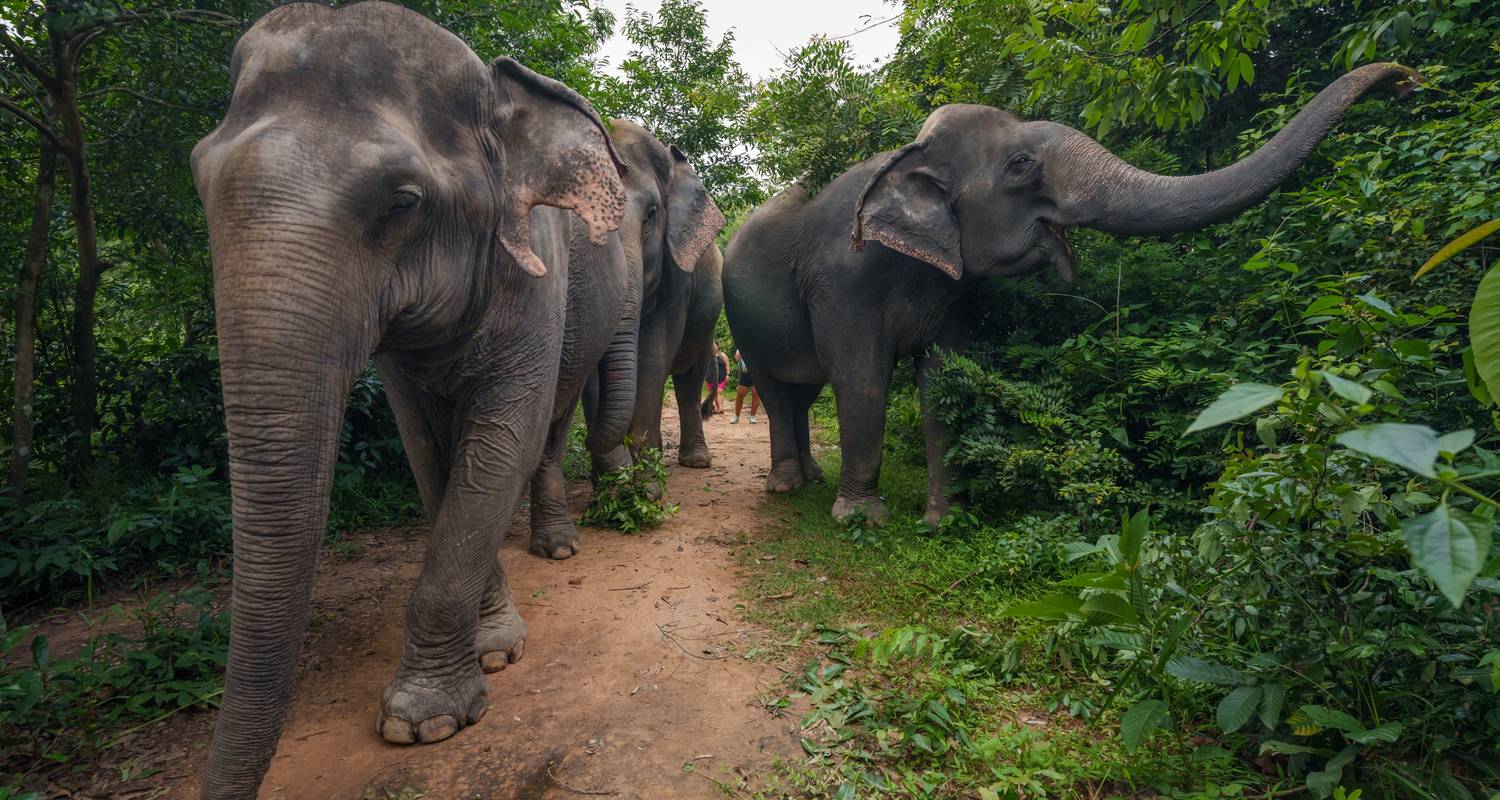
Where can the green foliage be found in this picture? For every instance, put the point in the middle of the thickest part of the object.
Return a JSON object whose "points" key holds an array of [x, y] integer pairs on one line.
{"points": [[60, 714], [631, 499]]}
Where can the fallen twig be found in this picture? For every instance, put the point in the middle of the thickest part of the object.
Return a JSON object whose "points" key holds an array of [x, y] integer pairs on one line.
{"points": [[782, 596], [575, 789], [673, 638], [630, 588]]}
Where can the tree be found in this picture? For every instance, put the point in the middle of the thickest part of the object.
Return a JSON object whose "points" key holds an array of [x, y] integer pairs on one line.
{"points": [[690, 92]]}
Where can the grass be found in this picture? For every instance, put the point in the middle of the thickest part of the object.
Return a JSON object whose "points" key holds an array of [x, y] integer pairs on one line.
{"points": [[916, 684]]}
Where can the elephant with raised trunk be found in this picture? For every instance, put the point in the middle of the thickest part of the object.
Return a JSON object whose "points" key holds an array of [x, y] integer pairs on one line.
{"points": [[979, 193], [376, 190]]}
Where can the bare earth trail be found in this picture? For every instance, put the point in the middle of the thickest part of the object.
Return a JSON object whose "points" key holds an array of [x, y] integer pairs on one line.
{"points": [[632, 684]]}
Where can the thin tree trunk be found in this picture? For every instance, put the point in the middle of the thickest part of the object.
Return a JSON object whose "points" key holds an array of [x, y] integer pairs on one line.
{"points": [[85, 381], [25, 370]]}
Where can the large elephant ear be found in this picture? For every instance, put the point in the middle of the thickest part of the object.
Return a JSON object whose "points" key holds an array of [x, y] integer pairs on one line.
{"points": [[553, 151], [693, 220], [907, 208]]}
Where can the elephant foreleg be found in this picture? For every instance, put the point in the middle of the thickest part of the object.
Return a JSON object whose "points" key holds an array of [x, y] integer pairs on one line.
{"points": [[692, 447], [935, 439], [439, 687], [781, 402], [553, 534], [861, 436], [502, 633]]}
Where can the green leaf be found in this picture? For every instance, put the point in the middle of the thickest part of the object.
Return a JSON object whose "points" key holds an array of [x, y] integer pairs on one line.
{"points": [[1273, 697], [1484, 329], [1412, 446], [1332, 718], [1241, 400], [1140, 721], [1385, 734], [1053, 606], [1119, 640], [1347, 389], [1458, 245], [1201, 671], [1237, 708], [1108, 604], [1132, 533], [1096, 580], [1450, 546], [1451, 444], [41, 654]]}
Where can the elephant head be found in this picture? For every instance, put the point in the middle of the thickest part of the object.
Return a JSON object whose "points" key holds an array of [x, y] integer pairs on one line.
{"points": [[670, 218], [370, 186], [981, 192]]}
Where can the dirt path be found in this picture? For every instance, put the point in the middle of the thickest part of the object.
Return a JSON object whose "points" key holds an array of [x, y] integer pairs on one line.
{"points": [[632, 683]]}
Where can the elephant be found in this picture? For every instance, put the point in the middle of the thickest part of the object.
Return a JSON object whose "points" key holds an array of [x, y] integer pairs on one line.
{"points": [[669, 229], [667, 237], [393, 197], [883, 262]]}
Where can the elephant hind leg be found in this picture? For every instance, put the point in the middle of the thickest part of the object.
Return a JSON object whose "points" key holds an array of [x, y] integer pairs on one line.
{"points": [[786, 408], [553, 534], [692, 446], [501, 639], [812, 472]]}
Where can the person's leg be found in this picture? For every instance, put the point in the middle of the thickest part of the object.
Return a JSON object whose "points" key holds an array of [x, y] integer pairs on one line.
{"points": [[739, 403], [754, 403]]}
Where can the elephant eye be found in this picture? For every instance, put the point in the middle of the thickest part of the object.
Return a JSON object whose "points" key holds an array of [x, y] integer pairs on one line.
{"points": [[404, 199], [1021, 161], [650, 214]]}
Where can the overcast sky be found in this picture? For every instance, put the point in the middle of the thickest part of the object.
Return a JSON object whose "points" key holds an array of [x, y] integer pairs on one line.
{"points": [[766, 29]]}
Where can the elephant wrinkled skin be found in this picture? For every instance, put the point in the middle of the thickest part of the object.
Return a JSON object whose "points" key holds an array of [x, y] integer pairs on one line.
{"points": [[979, 193], [375, 189]]}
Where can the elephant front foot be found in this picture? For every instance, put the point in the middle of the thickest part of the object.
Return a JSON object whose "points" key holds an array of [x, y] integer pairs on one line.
{"points": [[936, 510], [811, 471], [501, 640], [871, 510], [694, 455], [556, 539], [418, 707], [786, 476]]}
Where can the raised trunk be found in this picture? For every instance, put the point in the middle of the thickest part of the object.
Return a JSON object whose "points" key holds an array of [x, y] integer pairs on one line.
{"points": [[289, 355], [1101, 191], [25, 370]]}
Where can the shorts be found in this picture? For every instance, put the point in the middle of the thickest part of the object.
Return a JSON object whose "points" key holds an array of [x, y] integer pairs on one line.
{"points": [[745, 380]]}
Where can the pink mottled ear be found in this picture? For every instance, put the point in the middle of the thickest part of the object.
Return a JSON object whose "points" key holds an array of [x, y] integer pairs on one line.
{"points": [[693, 220], [906, 207], [553, 151]]}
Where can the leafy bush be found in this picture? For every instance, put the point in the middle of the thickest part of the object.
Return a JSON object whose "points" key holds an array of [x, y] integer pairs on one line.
{"points": [[60, 714], [631, 499]]}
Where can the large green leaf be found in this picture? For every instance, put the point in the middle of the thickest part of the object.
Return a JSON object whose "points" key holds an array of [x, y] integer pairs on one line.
{"points": [[1273, 696], [1450, 546], [1241, 400], [1107, 607], [1484, 330], [1457, 246], [1412, 446], [1196, 669], [1053, 606], [1237, 708], [1138, 723]]}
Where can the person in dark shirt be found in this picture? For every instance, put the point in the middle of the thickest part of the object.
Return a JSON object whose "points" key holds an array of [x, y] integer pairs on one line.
{"points": [[746, 386]]}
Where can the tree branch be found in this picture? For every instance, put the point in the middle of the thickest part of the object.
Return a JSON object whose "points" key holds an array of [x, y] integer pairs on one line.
{"points": [[143, 97], [81, 38], [27, 63], [41, 127]]}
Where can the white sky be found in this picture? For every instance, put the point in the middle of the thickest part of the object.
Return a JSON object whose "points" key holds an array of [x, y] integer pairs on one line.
{"points": [[766, 29]]}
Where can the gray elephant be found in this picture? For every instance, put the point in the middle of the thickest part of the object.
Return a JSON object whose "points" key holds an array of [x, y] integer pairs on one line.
{"points": [[979, 193], [669, 229], [371, 194], [667, 237]]}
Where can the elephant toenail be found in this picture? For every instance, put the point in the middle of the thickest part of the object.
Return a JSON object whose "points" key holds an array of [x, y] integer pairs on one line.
{"points": [[493, 661], [476, 713], [396, 731], [437, 729], [517, 651]]}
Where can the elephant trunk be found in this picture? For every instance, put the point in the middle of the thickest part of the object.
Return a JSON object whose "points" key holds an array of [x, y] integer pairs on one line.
{"points": [[1103, 192], [617, 375], [289, 353]]}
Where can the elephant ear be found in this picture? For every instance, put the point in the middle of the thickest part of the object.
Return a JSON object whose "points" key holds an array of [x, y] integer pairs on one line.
{"points": [[553, 151], [693, 220], [906, 207]]}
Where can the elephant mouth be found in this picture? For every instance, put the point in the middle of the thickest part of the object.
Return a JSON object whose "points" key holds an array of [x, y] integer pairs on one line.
{"points": [[1061, 251]]}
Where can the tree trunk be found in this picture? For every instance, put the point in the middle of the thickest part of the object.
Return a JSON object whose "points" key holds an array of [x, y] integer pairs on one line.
{"points": [[84, 378], [25, 370]]}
